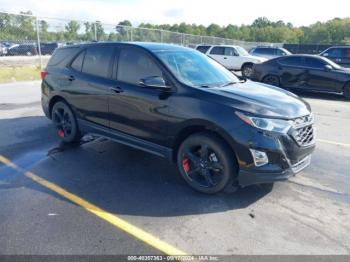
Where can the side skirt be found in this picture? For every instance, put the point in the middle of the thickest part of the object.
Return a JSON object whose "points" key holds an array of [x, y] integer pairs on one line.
{"points": [[162, 151]]}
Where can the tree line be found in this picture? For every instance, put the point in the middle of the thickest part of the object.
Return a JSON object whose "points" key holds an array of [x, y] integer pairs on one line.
{"points": [[20, 27]]}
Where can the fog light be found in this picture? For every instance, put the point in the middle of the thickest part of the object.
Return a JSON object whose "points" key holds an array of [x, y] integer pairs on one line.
{"points": [[260, 157]]}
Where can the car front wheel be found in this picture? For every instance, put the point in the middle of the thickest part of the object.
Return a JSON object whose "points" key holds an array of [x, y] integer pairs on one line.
{"points": [[346, 92], [271, 80], [206, 163]]}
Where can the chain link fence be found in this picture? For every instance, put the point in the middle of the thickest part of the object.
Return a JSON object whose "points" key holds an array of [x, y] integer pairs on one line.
{"points": [[27, 40]]}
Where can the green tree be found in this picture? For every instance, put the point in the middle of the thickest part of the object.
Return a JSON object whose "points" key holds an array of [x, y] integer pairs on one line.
{"points": [[213, 30], [71, 30]]}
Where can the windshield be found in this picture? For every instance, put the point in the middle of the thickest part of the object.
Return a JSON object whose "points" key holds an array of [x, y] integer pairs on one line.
{"points": [[286, 51], [241, 51], [334, 65], [195, 69]]}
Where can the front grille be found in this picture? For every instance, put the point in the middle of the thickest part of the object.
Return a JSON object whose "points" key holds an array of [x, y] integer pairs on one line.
{"points": [[303, 132], [304, 136]]}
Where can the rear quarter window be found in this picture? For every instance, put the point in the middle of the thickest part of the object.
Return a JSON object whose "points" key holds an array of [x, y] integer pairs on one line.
{"points": [[62, 56], [78, 62], [203, 49]]}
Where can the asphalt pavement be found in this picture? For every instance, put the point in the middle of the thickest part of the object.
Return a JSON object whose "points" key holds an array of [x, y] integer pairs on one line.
{"points": [[309, 214]]}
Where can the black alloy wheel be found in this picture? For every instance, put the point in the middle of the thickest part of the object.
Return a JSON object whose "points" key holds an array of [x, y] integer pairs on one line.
{"points": [[346, 92], [65, 122], [206, 163], [271, 80]]}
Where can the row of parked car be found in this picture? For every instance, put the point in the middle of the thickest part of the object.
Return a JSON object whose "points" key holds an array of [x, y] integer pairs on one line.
{"points": [[27, 49], [325, 72]]}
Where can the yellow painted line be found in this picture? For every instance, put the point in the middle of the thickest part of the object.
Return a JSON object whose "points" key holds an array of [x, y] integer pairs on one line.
{"points": [[333, 142], [109, 217]]}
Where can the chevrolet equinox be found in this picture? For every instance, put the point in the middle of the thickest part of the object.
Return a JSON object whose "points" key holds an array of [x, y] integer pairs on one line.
{"points": [[177, 103]]}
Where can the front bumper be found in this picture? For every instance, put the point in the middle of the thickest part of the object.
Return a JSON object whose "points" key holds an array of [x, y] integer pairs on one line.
{"points": [[246, 177], [286, 155]]}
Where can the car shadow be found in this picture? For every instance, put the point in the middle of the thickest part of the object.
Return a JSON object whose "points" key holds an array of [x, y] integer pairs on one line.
{"points": [[123, 180]]}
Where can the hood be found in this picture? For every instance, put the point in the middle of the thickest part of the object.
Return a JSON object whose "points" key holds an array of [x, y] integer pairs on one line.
{"points": [[344, 70], [257, 58], [264, 100]]}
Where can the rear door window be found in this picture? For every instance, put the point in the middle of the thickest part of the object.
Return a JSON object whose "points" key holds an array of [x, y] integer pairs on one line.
{"points": [[291, 61], [217, 50], [98, 61], [135, 65]]}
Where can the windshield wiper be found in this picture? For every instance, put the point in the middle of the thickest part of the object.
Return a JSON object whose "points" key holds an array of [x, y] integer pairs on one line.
{"points": [[230, 83]]}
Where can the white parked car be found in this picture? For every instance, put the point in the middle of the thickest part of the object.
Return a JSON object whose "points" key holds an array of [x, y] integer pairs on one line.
{"points": [[232, 57]]}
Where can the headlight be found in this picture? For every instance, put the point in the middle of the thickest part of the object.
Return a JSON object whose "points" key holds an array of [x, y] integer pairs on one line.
{"points": [[268, 124]]}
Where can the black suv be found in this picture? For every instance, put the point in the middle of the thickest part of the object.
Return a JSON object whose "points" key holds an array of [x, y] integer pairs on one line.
{"points": [[179, 104], [338, 54]]}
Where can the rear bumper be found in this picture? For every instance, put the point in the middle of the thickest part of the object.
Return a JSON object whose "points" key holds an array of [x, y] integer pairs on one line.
{"points": [[45, 101]]}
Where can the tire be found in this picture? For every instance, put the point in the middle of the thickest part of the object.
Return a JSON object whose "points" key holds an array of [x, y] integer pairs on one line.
{"points": [[65, 122], [346, 91], [247, 70], [206, 163], [271, 80]]}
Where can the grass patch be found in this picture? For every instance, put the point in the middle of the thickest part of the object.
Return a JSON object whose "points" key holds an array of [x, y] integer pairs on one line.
{"points": [[20, 73]]}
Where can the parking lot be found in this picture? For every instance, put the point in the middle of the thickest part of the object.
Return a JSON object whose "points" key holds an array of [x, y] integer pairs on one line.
{"points": [[101, 197]]}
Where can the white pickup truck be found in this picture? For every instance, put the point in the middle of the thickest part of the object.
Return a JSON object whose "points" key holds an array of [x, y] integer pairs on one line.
{"points": [[232, 57]]}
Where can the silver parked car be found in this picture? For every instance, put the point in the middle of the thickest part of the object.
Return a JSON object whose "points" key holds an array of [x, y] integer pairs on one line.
{"points": [[269, 52]]}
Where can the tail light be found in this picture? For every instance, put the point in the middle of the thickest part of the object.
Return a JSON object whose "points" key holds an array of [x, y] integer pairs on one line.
{"points": [[43, 73]]}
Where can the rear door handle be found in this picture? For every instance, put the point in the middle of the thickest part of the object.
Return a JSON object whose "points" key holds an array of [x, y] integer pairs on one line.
{"points": [[71, 78], [116, 89]]}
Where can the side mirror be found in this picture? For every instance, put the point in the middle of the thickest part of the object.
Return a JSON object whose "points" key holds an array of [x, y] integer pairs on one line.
{"points": [[155, 82], [328, 67], [325, 54]]}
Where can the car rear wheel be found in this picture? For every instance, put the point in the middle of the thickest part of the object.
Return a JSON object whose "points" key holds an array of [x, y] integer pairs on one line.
{"points": [[271, 80], [247, 70], [65, 122], [206, 163], [346, 92]]}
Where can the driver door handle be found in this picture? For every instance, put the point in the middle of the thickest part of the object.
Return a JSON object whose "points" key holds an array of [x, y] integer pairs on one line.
{"points": [[116, 89]]}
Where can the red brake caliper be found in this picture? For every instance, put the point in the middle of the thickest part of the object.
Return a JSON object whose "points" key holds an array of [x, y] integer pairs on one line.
{"points": [[60, 133], [186, 164]]}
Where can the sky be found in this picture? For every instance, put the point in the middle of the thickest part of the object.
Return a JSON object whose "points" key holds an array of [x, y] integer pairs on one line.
{"points": [[222, 12]]}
